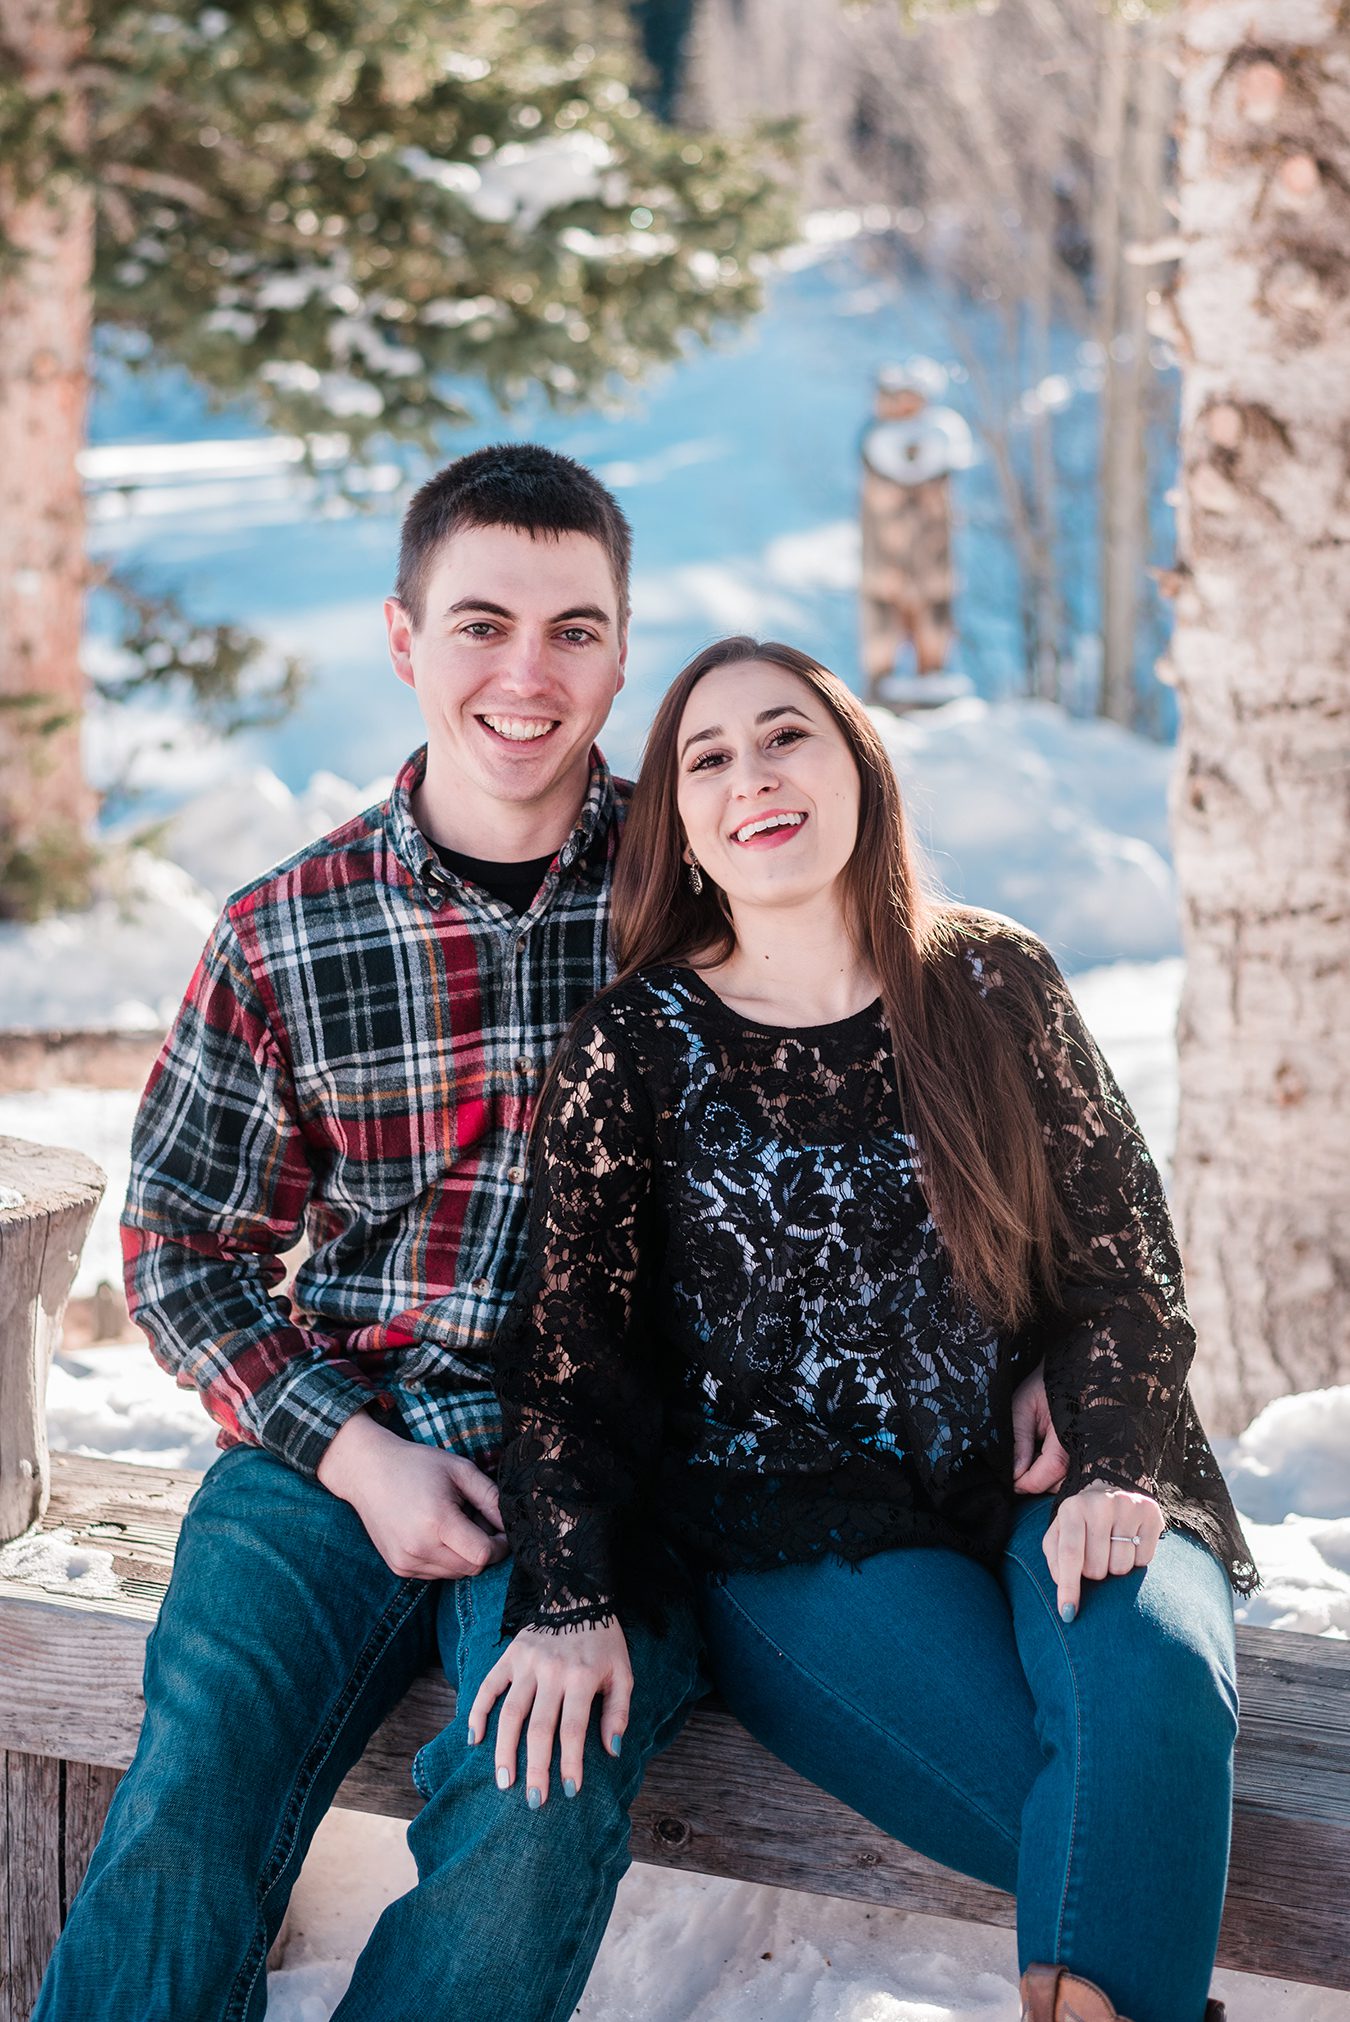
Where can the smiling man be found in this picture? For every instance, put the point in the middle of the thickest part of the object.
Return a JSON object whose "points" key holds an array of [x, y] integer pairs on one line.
{"points": [[356, 1061]]}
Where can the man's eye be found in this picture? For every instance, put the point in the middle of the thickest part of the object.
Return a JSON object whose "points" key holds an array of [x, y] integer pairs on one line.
{"points": [[479, 628], [577, 635]]}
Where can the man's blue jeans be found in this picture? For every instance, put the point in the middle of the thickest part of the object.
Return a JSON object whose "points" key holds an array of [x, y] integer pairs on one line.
{"points": [[1087, 1766], [283, 1641]]}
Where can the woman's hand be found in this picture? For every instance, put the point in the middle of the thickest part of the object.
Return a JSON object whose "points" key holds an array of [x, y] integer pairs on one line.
{"points": [[1100, 1530], [551, 1678]]}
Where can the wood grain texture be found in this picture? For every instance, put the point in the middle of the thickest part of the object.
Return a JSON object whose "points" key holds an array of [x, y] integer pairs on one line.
{"points": [[716, 1803], [30, 1888], [47, 1201]]}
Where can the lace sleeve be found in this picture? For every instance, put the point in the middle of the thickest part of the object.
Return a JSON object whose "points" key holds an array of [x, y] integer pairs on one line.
{"points": [[1120, 1343], [573, 1363]]}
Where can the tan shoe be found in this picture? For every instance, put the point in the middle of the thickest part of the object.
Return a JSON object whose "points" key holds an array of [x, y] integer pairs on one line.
{"points": [[1050, 1994]]}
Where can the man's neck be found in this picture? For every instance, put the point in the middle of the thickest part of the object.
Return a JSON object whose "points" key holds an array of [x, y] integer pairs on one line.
{"points": [[495, 831]]}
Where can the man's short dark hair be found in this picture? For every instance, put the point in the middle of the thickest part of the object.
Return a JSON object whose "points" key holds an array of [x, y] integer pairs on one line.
{"points": [[511, 484]]}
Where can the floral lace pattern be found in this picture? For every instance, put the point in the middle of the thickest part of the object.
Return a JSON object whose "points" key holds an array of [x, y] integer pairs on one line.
{"points": [[737, 1330]]}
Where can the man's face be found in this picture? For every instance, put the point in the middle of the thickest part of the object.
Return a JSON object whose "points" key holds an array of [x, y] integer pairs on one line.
{"points": [[515, 663]]}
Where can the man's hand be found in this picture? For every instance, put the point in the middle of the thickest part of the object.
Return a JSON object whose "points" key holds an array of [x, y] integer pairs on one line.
{"points": [[1035, 1472], [430, 1515]]}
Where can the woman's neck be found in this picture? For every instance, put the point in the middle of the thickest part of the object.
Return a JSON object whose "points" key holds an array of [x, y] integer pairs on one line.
{"points": [[793, 966]]}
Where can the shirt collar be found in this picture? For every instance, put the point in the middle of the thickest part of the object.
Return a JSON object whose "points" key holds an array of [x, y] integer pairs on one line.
{"points": [[587, 844]]}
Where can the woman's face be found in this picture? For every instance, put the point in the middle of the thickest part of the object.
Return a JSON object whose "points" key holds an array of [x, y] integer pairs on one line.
{"points": [[768, 789]]}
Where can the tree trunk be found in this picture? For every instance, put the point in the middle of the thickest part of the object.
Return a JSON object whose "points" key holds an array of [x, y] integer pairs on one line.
{"points": [[46, 239], [1261, 659]]}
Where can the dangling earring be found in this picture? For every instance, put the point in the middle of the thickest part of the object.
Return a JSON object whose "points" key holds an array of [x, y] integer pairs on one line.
{"points": [[695, 877]]}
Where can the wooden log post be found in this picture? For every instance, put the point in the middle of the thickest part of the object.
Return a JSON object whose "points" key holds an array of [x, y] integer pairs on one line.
{"points": [[47, 1201]]}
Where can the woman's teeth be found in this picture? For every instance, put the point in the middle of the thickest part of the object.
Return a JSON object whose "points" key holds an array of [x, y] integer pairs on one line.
{"points": [[754, 828], [520, 729]]}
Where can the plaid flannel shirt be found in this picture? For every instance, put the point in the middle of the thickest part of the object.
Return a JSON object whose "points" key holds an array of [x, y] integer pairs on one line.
{"points": [[357, 1057]]}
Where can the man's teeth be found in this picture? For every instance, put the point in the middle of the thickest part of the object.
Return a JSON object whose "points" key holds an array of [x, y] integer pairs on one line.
{"points": [[753, 828], [520, 729]]}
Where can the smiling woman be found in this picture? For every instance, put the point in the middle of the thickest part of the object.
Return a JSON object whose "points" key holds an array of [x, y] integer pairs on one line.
{"points": [[828, 1177]]}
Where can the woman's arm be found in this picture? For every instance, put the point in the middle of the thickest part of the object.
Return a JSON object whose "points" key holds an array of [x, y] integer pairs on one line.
{"points": [[1119, 1342], [582, 1411]]}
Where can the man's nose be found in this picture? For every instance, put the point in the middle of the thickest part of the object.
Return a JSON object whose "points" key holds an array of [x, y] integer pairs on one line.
{"points": [[524, 663]]}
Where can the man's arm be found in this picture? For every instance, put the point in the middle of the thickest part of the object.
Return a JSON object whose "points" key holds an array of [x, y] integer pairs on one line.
{"points": [[220, 1179]]}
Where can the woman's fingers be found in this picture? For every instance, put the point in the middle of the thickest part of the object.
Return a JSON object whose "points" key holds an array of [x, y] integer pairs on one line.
{"points": [[614, 1708], [1070, 1546], [489, 1692], [510, 1722], [572, 1731], [1094, 1535], [543, 1730]]}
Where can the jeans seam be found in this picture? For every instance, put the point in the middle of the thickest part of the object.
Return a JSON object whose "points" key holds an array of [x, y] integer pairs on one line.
{"points": [[1062, 1916], [405, 1600], [914, 1754]]}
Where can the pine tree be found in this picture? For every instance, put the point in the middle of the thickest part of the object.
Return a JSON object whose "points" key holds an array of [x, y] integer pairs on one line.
{"points": [[358, 213]]}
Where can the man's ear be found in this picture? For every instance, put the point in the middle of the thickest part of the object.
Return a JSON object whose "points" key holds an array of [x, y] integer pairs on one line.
{"points": [[399, 626], [623, 658]]}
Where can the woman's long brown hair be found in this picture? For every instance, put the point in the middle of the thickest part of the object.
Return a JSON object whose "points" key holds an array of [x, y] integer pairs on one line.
{"points": [[963, 1068]]}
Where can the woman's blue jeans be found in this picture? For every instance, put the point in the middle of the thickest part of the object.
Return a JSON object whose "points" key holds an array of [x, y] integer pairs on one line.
{"points": [[1086, 1766], [283, 1641]]}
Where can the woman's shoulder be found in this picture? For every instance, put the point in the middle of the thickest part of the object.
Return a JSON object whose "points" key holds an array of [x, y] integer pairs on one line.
{"points": [[642, 1007], [999, 954]]}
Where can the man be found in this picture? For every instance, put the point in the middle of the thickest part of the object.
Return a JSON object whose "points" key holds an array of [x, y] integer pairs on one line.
{"points": [[357, 1057]]}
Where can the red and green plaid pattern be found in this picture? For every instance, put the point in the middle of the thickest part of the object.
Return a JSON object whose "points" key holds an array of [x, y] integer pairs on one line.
{"points": [[356, 1060]]}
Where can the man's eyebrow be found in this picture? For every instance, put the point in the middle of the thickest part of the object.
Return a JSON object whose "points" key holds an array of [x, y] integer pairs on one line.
{"points": [[765, 716], [593, 612]]}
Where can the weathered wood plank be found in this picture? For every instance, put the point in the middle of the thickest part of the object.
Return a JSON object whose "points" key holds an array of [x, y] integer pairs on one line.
{"points": [[86, 1794], [47, 1201], [30, 1814], [716, 1803]]}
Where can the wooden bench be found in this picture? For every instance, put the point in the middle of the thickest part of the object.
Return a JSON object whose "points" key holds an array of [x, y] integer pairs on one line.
{"points": [[716, 1803], [70, 1710]]}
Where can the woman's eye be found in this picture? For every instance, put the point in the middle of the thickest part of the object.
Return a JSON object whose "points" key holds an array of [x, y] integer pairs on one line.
{"points": [[788, 735], [705, 760]]}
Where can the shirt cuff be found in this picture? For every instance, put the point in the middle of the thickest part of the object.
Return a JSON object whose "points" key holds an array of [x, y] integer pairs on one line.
{"points": [[300, 1412]]}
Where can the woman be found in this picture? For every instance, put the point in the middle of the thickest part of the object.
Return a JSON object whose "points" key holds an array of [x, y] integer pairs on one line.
{"points": [[819, 1180]]}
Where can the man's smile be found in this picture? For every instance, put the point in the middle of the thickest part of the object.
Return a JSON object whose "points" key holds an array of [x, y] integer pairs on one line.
{"points": [[520, 729]]}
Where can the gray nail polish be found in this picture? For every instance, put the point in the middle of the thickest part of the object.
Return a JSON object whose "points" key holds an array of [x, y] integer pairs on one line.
{"points": [[616, 1744], [569, 1786], [503, 1778], [471, 1738], [1067, 1611], [532, 1798]]}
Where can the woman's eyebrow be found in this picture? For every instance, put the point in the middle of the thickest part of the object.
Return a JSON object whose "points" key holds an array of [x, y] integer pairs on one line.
{"points": [[765, 716]]}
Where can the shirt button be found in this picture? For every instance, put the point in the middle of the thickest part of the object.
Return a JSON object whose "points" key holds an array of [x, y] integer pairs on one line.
{"points": [[523, 1065], [414, 1384], [481, 1285], [516, 1175]]}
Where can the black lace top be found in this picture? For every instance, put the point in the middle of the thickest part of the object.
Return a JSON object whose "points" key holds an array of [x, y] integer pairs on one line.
{"points": [[737, 1331]]}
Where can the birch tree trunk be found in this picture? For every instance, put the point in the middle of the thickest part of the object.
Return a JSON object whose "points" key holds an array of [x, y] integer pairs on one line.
{"points": [[1261, 658], [45, 318]]}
